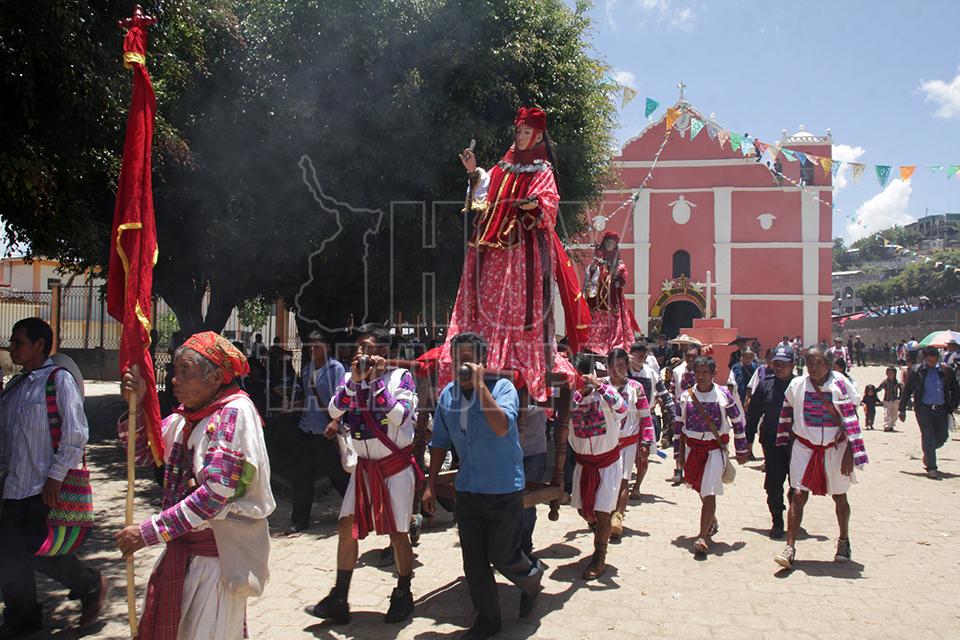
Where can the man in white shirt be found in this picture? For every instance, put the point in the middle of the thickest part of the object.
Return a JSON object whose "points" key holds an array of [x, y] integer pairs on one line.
{"points": [[34, 469]]}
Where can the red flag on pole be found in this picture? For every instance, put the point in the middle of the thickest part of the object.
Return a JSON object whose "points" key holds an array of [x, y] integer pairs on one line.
{"points": [[133, 241]]}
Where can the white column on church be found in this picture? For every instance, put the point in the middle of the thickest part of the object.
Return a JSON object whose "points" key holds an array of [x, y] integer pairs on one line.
{"points": [[723, 230], [641, 260], [810, 231]]}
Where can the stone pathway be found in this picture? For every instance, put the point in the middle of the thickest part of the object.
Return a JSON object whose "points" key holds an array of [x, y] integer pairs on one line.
{"points": [[903, 580]]}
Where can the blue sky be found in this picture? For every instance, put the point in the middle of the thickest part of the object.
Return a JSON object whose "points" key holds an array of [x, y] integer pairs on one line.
{"points": [[884, 76]]}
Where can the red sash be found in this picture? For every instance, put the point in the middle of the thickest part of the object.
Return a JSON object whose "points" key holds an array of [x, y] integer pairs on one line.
{"points": [[162, 609], [590, 477], [696, 459], [372, 510], [627, 441], [815, 475]]}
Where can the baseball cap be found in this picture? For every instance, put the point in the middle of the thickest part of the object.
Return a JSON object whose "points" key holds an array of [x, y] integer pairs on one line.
{"points": [[783, 353]]}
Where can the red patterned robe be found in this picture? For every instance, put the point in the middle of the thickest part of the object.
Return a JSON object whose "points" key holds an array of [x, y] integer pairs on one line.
{"points": [[505, 291], [612, 323]]}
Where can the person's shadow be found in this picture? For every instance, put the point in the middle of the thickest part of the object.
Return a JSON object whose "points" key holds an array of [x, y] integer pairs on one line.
{"points": [[944, 475], [650, 498], [824, 569], [801, 534], [716, 548]]}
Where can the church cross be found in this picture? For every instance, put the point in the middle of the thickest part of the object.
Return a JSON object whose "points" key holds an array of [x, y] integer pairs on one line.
{"points": [[708, 286]]}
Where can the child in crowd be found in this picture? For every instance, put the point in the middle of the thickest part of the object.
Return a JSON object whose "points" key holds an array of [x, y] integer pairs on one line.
{"points": [[870, 401], [892, 390]]}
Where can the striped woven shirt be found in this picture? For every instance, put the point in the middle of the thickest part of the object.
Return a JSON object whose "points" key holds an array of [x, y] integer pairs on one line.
{"points": [[805, 413], [26, 453]]}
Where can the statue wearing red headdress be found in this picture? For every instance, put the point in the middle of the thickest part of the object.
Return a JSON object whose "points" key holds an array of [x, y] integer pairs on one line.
{"points": [[505, 291], [612, 325]]}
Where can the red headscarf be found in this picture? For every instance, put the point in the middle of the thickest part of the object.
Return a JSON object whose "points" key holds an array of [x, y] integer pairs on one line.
{"points": [[533, 117], [220, 352]]}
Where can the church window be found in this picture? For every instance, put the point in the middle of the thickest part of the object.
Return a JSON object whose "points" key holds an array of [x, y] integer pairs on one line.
{"points": [[681, 264]]}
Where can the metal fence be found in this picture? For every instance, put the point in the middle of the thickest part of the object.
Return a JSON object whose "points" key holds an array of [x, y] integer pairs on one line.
{"points": [[78, 315]]}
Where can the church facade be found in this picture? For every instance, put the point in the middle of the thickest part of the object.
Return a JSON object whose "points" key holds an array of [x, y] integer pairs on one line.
{"points": [[765, 240]]}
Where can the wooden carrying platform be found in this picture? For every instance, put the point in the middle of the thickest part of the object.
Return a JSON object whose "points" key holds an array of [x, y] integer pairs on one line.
{"points": [[535, 492]]}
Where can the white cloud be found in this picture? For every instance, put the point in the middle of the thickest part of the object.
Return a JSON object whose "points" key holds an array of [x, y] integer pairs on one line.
{"points": [[844, 153], [887, 208], [669, 12], [945, 94], [625, 77]]}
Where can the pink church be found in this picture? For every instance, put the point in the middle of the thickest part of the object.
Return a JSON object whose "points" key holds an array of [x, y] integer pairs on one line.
{"points": [[766, 244]]}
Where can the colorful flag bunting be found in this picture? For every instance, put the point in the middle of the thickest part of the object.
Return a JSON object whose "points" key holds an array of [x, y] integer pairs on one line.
{"points": [[856, 170], [935, 167], [712, 131], [735, 141], [695, 127], [952, 170], [801, 156], [722, 136], [883, 174], [672, 115], [835, 168], [788, 154], [906, 171], [629, 93], [651, 106], [826, 163]]}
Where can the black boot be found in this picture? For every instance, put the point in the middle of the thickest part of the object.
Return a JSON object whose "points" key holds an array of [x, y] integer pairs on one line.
{"points": [[333, 608], [401, 606], [776, 531]]}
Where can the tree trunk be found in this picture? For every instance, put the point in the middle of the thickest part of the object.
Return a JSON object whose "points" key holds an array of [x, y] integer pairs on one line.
{"points": [[222, 303], [186, 301]]}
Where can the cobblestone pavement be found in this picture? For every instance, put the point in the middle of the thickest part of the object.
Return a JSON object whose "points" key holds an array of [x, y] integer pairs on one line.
{"points": [[902, 582]]}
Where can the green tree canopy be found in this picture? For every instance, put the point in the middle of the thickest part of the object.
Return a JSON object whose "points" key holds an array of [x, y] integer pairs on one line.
{"points": [[379, 97], [924, 281]]}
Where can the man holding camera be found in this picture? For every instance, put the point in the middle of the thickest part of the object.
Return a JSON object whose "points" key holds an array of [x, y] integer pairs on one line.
{"points": [[478, 417], [379, 408]]}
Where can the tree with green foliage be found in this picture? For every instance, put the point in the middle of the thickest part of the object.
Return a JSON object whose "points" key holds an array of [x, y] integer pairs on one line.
{"points": [[255, 98], [254, 313], [929, 282]]}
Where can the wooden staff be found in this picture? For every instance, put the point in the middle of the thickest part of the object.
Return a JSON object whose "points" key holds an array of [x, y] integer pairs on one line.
{"points": [[128, 519]]}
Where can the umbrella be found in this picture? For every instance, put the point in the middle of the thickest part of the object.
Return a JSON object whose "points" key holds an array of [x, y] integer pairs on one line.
{"points": [[940, 338]]}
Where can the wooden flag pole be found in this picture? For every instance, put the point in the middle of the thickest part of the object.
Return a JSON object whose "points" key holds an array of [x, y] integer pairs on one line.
{"points": [[128, 520]]}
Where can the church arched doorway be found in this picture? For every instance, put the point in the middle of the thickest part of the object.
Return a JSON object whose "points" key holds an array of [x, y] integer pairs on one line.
{"points": [[678, 315]]}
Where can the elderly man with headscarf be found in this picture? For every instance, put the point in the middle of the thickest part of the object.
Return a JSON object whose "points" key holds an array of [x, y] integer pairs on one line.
{"points": [[216, 498]]}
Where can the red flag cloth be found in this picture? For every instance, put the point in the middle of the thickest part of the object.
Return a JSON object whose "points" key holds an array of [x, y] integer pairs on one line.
{"points": [[576, 313], [133, 241]]}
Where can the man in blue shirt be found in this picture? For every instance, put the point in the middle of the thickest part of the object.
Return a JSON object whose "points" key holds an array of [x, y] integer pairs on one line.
{"points": [[316, 452], [478, 418], [935, 393]]}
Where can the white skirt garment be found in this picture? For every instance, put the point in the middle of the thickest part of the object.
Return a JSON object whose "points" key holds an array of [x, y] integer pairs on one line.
{"points": [[628, 458], [209, 609], [610, 478], [401, 487], [712, 483], [837, 483]]}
